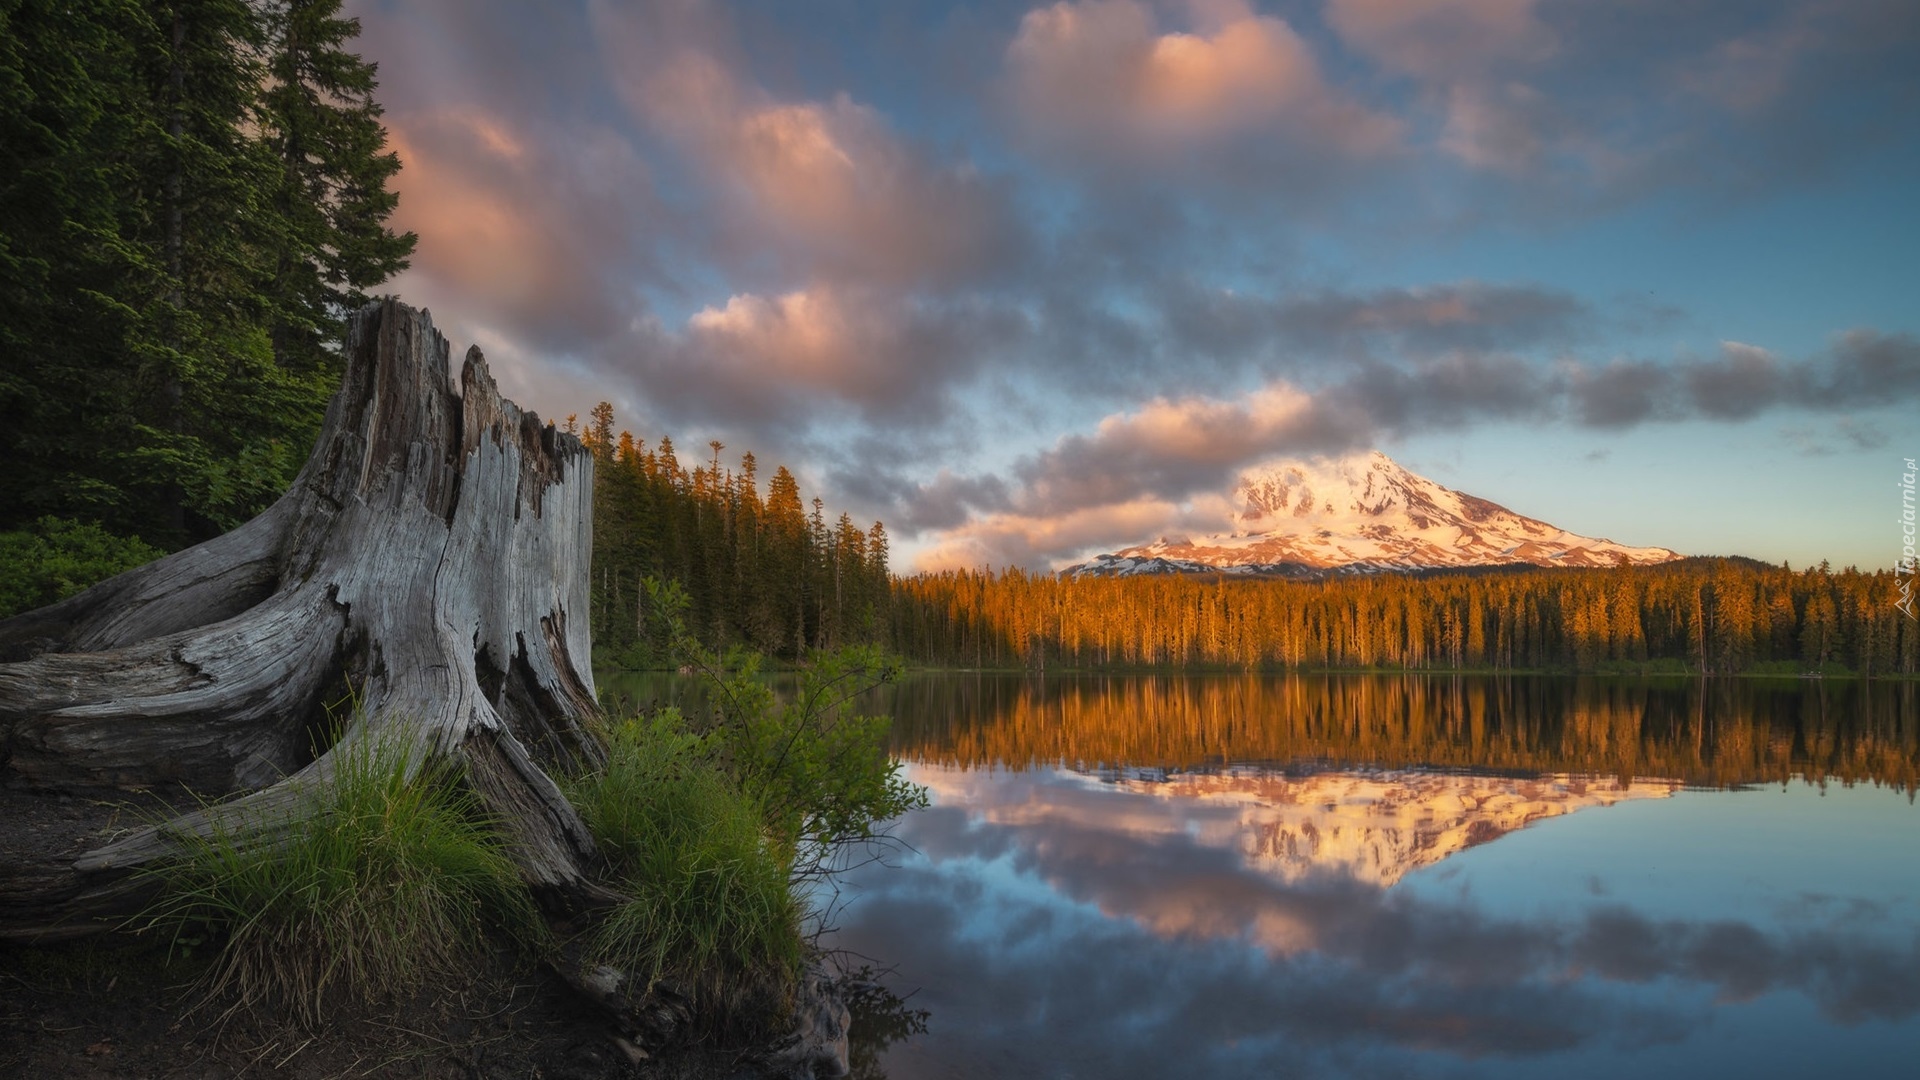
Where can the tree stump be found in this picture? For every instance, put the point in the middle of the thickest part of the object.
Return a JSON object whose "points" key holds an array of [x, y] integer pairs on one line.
{"points": [[431, 557]]}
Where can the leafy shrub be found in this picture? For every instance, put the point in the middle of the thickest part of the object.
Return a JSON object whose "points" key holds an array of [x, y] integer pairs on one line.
{"points": [[817, 767], [56, 558], [717, 827], [385, 884]]}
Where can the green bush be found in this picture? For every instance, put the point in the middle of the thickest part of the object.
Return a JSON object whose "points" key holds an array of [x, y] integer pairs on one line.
{"points": [[57, 558], [817, 767], [384, 885], [708, 897]]}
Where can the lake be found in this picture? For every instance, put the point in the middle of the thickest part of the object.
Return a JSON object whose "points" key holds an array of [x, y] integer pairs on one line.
{"points": [[1361, 876]]}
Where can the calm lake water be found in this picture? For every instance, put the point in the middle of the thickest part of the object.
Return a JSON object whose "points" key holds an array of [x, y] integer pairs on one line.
{"points": [[1381, 876]]}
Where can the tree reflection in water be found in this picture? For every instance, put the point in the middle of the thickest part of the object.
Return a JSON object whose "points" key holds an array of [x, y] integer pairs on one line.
{"points": [[1242, 876], [881, 1018]]}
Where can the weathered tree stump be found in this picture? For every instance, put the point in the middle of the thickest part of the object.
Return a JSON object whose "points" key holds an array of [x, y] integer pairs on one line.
{"points": [[432, 556]]}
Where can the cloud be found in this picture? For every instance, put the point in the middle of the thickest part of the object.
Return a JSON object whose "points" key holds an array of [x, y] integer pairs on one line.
{"points": [[1472, 57], [1098, 79], [1619, 394], [821, 187], [1416, 321], [1169, 448], [1444, 39], [1166, 467], [907, 265], [948, 500], [1843, 435], [508, 227], [1504, 126], [1866, 367], [1744, 380], [781, 361], [1575, 108]]}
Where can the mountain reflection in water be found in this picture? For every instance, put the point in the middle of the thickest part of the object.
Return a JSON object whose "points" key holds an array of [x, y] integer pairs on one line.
{"points": [[1337, 877]]}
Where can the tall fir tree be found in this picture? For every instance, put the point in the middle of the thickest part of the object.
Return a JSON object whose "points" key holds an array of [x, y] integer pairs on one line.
{"points": [[160, 240], [318, 117]]}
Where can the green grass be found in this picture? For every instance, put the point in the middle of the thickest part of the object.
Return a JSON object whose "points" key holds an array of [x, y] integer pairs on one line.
{"points": [[709, 902], [386, 886]]}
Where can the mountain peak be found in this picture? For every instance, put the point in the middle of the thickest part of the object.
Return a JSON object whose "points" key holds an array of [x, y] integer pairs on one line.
{"points": [[1364, 512]]}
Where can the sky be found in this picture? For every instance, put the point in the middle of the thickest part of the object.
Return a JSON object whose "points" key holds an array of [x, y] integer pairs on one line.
{"points": [[1032, 281]]}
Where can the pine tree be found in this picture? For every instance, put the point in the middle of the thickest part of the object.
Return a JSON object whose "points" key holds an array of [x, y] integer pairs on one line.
{"points": [[73, 110], [152, 249], [319, 119]]}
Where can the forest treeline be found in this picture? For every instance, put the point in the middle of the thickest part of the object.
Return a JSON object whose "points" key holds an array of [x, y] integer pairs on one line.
{"points": [[770, 573], [1714, 733], [193, 194], [1719, 616]]}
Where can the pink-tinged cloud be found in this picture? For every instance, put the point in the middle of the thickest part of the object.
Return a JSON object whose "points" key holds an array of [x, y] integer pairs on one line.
{"points": [[513, 234], [827, 350], [826, 187], [1468, 56], [1010, 539], [1101, 76], [816, 338], [1165, 468], [1443, 40], [1504, 127]]}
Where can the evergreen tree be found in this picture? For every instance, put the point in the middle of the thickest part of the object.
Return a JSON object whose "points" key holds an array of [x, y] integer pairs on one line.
{"points": [[152, 249], [73, 109], [767, 574], [319, 119]]}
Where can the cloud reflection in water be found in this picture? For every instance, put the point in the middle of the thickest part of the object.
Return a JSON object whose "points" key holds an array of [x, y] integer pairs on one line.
{"points": [[1061, 925]]}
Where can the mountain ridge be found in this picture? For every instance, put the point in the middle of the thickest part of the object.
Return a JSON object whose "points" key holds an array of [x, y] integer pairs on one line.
{"points": [[1363, 514]]}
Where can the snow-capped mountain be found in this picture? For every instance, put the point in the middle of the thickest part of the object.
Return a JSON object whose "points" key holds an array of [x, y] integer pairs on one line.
{"points": [[1363, 514]]}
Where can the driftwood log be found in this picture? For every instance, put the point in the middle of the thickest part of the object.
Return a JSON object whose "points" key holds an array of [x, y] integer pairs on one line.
{"points": [[431, 558]]}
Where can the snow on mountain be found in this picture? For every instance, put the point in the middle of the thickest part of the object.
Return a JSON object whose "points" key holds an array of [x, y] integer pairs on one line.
{"points": [[1363, 514]]}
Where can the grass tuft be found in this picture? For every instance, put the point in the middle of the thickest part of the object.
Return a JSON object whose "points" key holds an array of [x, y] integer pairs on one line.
{"points": [[709, 900], [385, 885]]}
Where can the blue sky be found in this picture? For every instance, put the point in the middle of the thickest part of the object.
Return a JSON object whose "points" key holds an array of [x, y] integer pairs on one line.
{"points": [[1028, 281]]}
